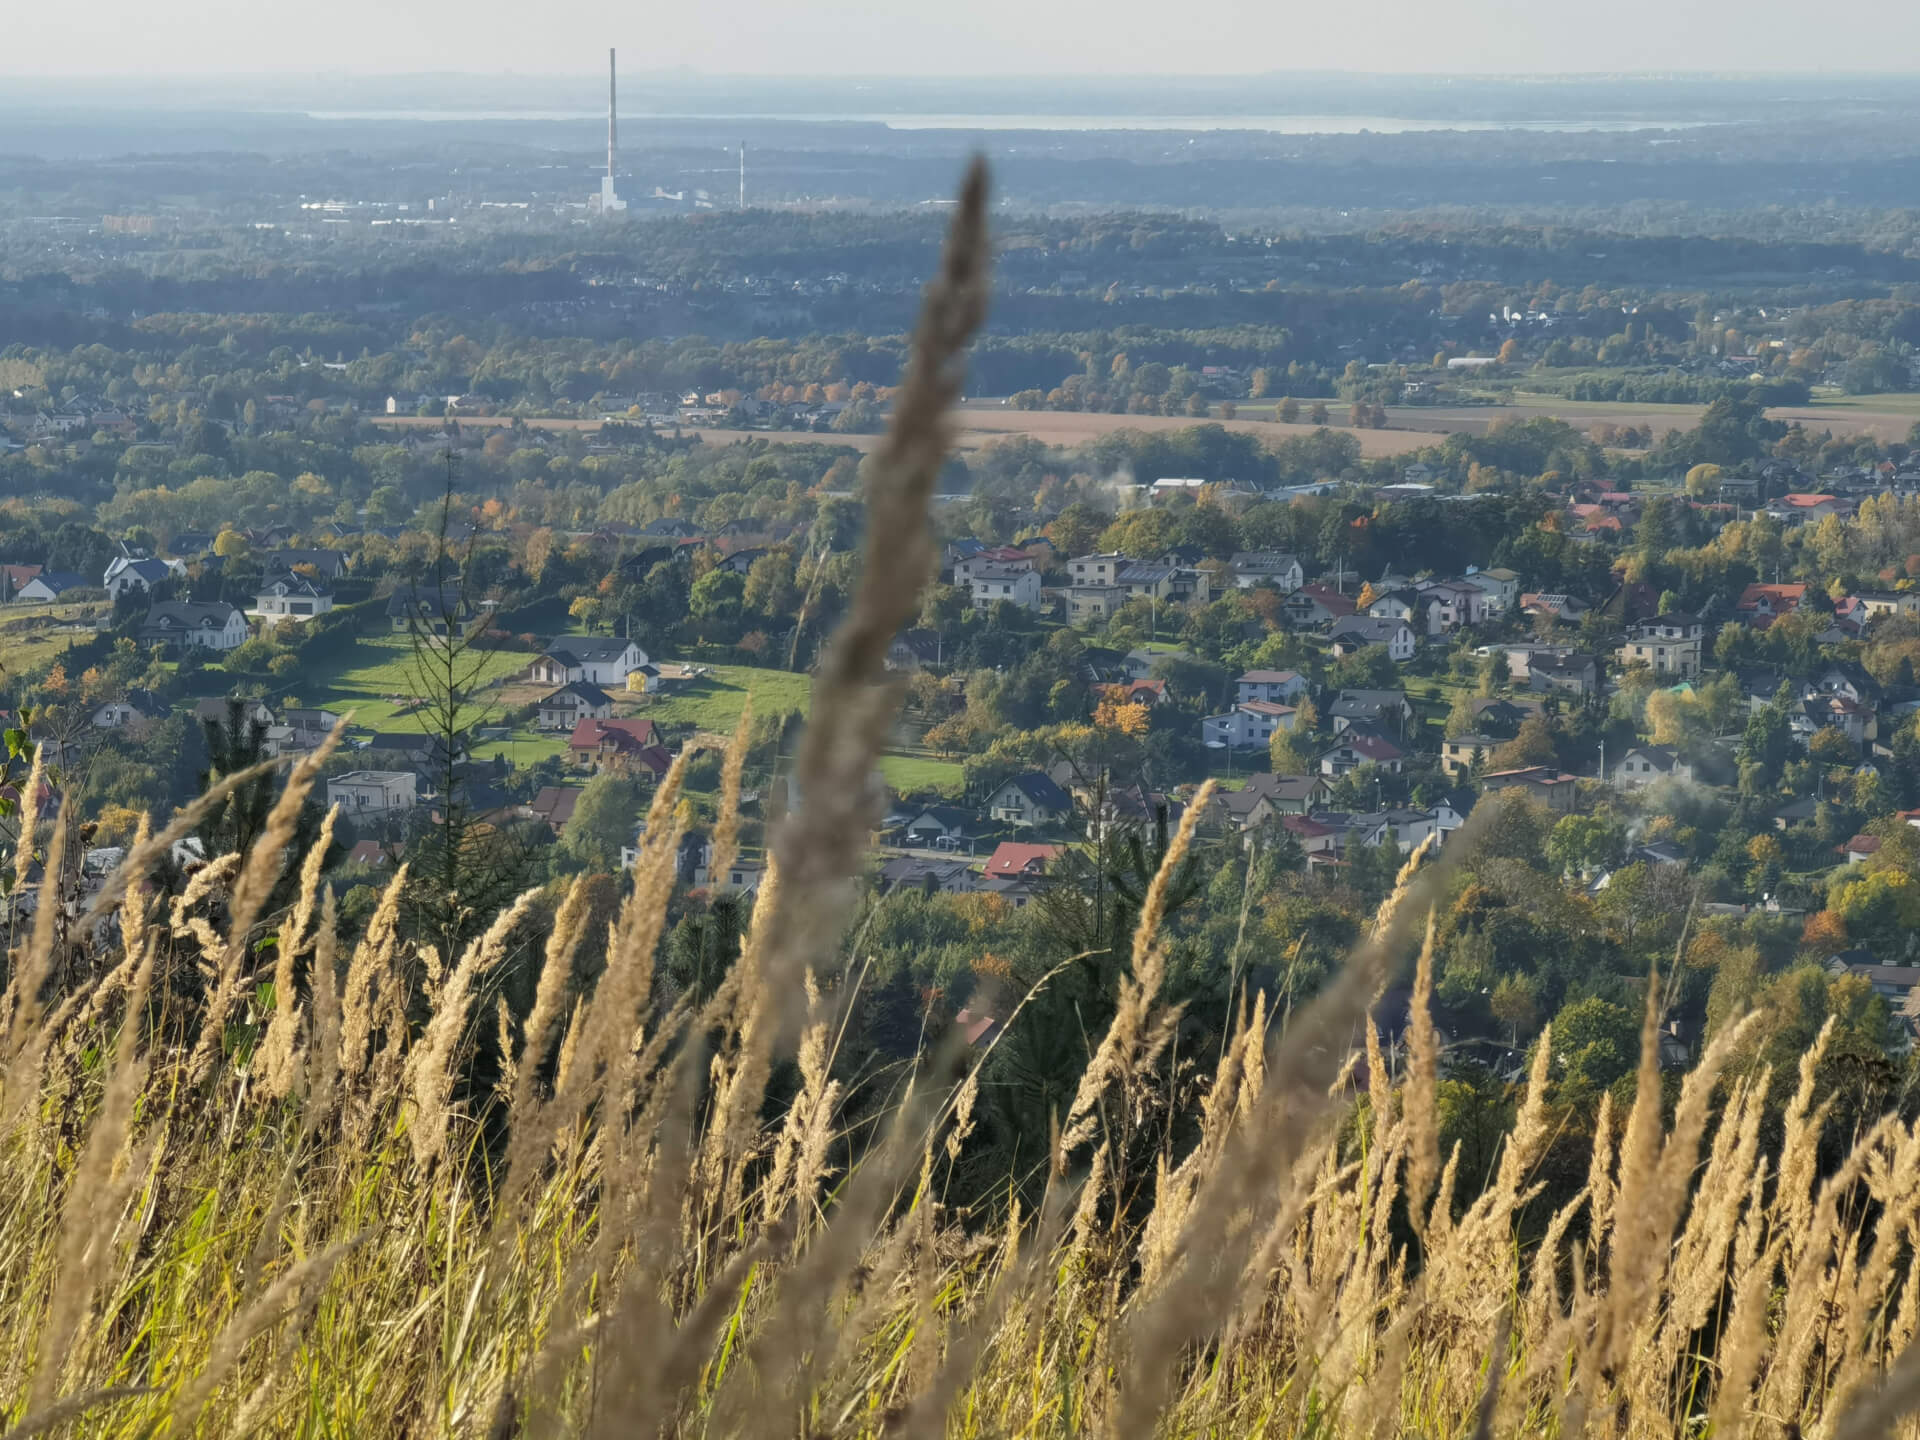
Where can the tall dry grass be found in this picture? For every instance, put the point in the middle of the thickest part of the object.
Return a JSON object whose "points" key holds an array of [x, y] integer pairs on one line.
{"points": [[253, 1189]]}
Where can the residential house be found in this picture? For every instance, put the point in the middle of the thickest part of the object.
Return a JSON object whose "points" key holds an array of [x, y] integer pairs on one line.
{"points": [[1130, 807], [1359, 632], [210, 625], [553, 805], [1796, 813], [1250, 723], [1385, 710], [1497, 715], [1016, 585], [288, 596], [1875, 604], [1093, 602], [1266, 794], [1553, 606], [1759, 604], [50, 585], [1030, 800], [1139, 664], [1447, 605], [1569, 674], [1859, 849], [370, 853], [918, 872], [1819, 711], [327, 565], [1460, 753], [594, 659], [1165, 583], [570, 704], [1804, 509], [1013, 859], [1267, 567], [135, 576], [1313, 837], [632, 745], [911, 649], [941, 827], [1400, 604], [1645, 764], [1500, 586], [132, 713], [425, 753], [1135, 692], [215, 710], [1547, 784], [1849, 679], [1282, 687], [12, 577], [373, 792], [1893, 983], [1001, 557], [1357, 749], [1099, 570], [442, 611], [1313, 605], [1672, 644]]}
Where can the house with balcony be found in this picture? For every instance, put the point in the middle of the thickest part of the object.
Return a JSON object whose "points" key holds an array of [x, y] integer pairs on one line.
{"points": [[206, 625], [288, 596], [991, 584], [373, 792], [1250, 724], [1360, 632], [591, 659], [1282, 687], [1672, 644]]}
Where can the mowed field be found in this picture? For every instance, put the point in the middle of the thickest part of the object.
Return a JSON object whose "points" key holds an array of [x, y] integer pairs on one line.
{"points": [[1409, 427]]}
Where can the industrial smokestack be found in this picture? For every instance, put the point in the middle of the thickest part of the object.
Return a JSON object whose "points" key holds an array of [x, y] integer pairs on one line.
{"points": [[743, 174], [609, 200]]}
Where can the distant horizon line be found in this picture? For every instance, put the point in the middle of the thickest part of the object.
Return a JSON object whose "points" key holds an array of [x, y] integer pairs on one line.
{"points": [[691, 72]]}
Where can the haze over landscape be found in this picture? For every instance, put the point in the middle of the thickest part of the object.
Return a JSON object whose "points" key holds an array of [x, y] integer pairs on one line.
{"points": [[884, 37], [1049, 720]]}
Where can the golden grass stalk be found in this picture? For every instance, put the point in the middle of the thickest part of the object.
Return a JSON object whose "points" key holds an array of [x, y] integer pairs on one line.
{"points": [[819, 847], [1123, 1049], [29, 821], [432, 1065], [258, 875], [276, 1062]]}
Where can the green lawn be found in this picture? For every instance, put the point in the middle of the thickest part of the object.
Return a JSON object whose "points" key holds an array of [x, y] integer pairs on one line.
{"points": [[381, 666], [910, 774], [714, 703], [1901, 404], [31, 635]]}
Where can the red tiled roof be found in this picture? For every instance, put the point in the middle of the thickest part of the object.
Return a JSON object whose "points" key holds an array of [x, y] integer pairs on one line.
{"points": [[1374, 748], [1012, 857], [1778, 595], [626, 736], [1331, 600]]}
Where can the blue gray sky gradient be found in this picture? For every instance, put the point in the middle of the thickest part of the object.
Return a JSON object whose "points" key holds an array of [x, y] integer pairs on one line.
{"points": [[972, 37]]}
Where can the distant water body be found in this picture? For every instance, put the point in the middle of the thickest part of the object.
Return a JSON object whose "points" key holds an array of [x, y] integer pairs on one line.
{"points": [[1272, 124]]}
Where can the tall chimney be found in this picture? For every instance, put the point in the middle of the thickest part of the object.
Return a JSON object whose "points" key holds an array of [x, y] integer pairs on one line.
{"points": [[613, 112], [743, 174]]}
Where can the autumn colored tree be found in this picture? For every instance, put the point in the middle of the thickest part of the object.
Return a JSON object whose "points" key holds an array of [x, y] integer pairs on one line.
{"points": [[1127, 717]]}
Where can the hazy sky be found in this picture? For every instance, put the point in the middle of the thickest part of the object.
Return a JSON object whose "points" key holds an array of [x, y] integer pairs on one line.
{"points": [[967, 37]]}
